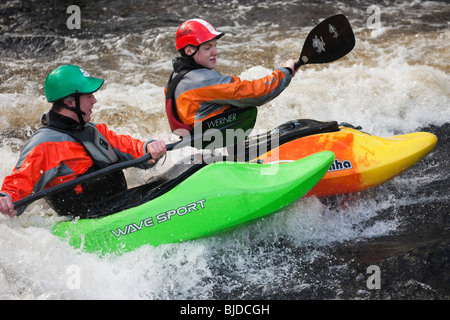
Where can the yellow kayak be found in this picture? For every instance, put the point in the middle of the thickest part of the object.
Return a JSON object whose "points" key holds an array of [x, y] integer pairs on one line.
{"points": [[362, 161]]}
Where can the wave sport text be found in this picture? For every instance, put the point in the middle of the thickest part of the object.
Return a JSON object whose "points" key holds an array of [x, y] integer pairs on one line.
{"points": [[160, 218]]}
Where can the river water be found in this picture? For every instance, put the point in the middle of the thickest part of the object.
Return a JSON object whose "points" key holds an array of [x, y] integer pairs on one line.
{"points": [[396, 80]]}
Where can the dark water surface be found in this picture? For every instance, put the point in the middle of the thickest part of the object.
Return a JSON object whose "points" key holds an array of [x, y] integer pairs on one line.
{"points": [[395, 81]]}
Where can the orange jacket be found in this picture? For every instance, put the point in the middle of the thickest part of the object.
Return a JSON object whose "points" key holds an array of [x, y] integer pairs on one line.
{"points": [[50, 158], [203, 93]]}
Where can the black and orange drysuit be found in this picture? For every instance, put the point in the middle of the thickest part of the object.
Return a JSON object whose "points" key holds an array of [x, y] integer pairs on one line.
{"points": [[203, 93], [55, 154]]}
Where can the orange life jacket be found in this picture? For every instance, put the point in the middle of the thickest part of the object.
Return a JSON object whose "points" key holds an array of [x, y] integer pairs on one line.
{"points": [[197, 94]]}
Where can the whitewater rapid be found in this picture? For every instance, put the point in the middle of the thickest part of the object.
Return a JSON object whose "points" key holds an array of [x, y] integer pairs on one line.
{"points": [[396, 80]]}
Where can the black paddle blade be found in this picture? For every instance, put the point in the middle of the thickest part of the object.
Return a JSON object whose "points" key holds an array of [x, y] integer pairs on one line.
{"points": [[330, 40]]}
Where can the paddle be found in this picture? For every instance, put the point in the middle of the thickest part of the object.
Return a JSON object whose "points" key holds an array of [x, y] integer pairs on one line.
{"points": [[330, 40], [200, 138]]}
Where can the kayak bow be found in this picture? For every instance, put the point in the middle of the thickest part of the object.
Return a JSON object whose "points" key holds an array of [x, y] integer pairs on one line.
{"points": [[362, 160]]}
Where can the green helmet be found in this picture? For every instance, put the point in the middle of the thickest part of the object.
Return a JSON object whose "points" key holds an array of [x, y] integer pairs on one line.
{"points": [[67, 80]]}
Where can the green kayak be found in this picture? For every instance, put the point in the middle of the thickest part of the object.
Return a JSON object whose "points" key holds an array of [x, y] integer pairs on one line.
{"points": [[215, 198]]}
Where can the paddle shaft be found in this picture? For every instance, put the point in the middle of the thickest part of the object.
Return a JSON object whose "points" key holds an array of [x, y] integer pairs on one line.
{"points": [[201, 138], [91, 176]]}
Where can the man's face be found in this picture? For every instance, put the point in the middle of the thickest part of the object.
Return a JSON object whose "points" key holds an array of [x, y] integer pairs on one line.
{"points": [[87, 102], [206, 54]]}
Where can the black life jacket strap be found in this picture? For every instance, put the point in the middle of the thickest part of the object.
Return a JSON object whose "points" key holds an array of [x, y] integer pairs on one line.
{"points": [[76, 109]]}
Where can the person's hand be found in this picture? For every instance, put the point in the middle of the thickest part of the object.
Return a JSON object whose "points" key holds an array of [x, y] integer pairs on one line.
{"points": [[157, 149], [7, 206], [290, 64]]}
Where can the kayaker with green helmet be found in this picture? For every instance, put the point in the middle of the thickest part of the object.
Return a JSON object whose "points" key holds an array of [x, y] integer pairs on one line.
{"points": [[69, 145], [196, 92]]}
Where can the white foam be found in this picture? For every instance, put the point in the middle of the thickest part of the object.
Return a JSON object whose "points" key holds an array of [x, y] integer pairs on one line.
{"points": [[386, 85]]}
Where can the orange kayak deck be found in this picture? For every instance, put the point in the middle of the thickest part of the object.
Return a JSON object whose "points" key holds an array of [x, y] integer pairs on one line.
{"points": [[362, 161]]}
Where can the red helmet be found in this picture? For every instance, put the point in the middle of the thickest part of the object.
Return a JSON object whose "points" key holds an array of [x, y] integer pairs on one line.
{"points": [[195, 32]]}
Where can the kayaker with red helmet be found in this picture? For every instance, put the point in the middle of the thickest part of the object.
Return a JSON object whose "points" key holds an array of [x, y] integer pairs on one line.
{"points": [[196, 92], [68, 146]]}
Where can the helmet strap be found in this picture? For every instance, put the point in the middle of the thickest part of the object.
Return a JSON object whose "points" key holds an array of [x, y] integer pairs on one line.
{"points": [[196, 50], [76, 109], [190, 58]]}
